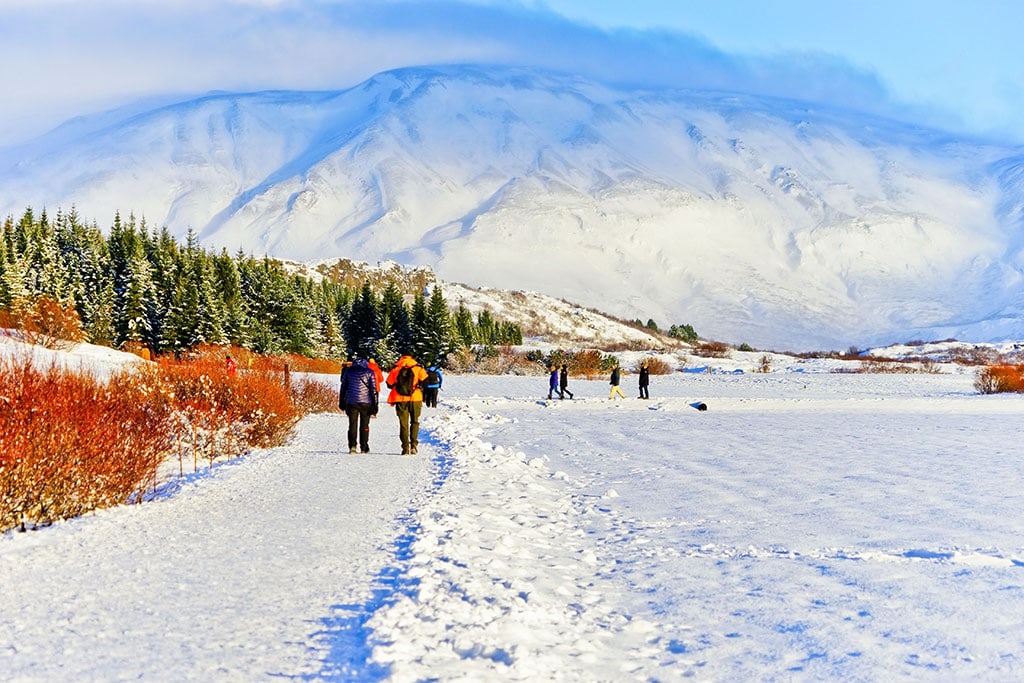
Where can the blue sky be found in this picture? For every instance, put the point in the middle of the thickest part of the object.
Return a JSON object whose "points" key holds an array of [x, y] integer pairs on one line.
{"points": [[951, 64]]}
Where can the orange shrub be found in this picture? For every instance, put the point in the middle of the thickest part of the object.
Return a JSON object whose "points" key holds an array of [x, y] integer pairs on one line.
{"points": [[586, 363], [221, 413], [655, 366], [712, 349], [70, 443], [45, 322], [313, 396], [1000, 378]]}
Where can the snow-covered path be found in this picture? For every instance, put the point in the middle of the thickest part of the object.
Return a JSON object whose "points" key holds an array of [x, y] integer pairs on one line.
{"points": [[240, 575]]}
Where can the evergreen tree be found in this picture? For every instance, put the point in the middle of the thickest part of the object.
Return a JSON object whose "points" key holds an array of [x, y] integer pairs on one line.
{"points": [[362, 329], [418, 325], [209, 312], [229, 289], [438, 340], [396, 330], [465, 332], [486, 328], [135, 298], [298, 324]]}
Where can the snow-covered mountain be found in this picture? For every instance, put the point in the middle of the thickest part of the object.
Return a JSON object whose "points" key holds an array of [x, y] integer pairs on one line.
{"points": [[755, 220]]}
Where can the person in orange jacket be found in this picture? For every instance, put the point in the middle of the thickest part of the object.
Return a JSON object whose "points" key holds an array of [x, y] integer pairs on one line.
{"points": [[378, 375], [407, 398]]}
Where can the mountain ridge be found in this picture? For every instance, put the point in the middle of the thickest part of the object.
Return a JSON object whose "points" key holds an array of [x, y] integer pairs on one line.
{"points": [[771, 222]]}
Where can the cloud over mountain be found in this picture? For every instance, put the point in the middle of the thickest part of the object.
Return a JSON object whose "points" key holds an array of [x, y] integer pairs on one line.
{"points": [[109, 52]]}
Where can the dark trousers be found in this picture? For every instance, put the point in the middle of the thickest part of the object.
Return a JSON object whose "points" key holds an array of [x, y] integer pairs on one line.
{"points": [[563, 390], [359, 425], [430, 396], [643, 391], [408, 413]]}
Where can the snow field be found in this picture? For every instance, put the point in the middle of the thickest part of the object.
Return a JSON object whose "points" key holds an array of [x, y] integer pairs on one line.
{"points": [[818, 527], [508, 585], [806, 527]]}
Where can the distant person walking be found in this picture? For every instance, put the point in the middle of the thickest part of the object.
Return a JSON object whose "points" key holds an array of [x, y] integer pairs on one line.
{"points": [[432, 385], [614, 382], [358, 397], [563, 382], [645, 380], [553, 383], [406, 396]]}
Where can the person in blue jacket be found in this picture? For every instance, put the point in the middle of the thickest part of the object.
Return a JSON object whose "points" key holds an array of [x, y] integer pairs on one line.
{"points": [[435, 378], [553, 384], [358, 397]]}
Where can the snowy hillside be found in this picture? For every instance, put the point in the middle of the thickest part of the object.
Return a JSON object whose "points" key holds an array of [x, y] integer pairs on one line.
{"points": [[755, 220]]}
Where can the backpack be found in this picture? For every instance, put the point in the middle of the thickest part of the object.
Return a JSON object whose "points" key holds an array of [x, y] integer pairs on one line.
{"points": [[405, 380], [433, 379]]}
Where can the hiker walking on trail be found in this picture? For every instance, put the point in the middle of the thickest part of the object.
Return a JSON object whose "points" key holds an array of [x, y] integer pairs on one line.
{"points": [[432, 385], [405, 380], [614, 382], [563, 382], [553, 383], [358, 398], [645, 380]]}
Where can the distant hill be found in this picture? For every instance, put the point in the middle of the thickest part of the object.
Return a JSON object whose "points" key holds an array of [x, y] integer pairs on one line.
{"points": [[755, 220]]}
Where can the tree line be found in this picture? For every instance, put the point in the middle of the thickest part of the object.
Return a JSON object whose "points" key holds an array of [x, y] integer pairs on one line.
{"points": [[140, 287]]}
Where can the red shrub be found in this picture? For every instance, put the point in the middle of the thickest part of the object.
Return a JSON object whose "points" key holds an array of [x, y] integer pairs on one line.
{"points": [[225, 413], [70, 443], [1000, 378]]}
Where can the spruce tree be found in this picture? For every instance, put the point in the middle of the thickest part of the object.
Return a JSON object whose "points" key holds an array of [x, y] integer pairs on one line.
{"points": [[418, 325], [438, 340], [362, 329], [135, 297], [396, 331], [465, 332]]}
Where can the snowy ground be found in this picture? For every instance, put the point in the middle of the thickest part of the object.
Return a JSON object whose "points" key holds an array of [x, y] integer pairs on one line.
{"points": [[805, 527]]}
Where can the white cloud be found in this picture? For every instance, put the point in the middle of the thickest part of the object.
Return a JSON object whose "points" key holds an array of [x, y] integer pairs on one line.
{"points": [[73, 57]]}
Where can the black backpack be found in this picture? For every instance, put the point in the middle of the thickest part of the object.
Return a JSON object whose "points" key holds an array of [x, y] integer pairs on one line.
{"points": [[405, 380]]}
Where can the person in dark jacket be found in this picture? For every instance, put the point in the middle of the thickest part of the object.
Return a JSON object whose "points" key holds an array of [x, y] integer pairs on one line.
{"points": [[359, 399], [432, 385], [614, 382], [563, 381], [645, 380], [553, 383]]}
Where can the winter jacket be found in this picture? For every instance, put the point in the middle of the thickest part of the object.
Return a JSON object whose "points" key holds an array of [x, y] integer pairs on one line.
{"points": [[376, 373], [553, 383], [358, 386], [645, 376], [418, 372], [615, 377], [440, 378]]}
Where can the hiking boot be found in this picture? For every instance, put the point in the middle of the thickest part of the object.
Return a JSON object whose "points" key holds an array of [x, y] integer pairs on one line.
{"points": [[366, 450], [405, 451], [412, 450], [352, 450]]}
